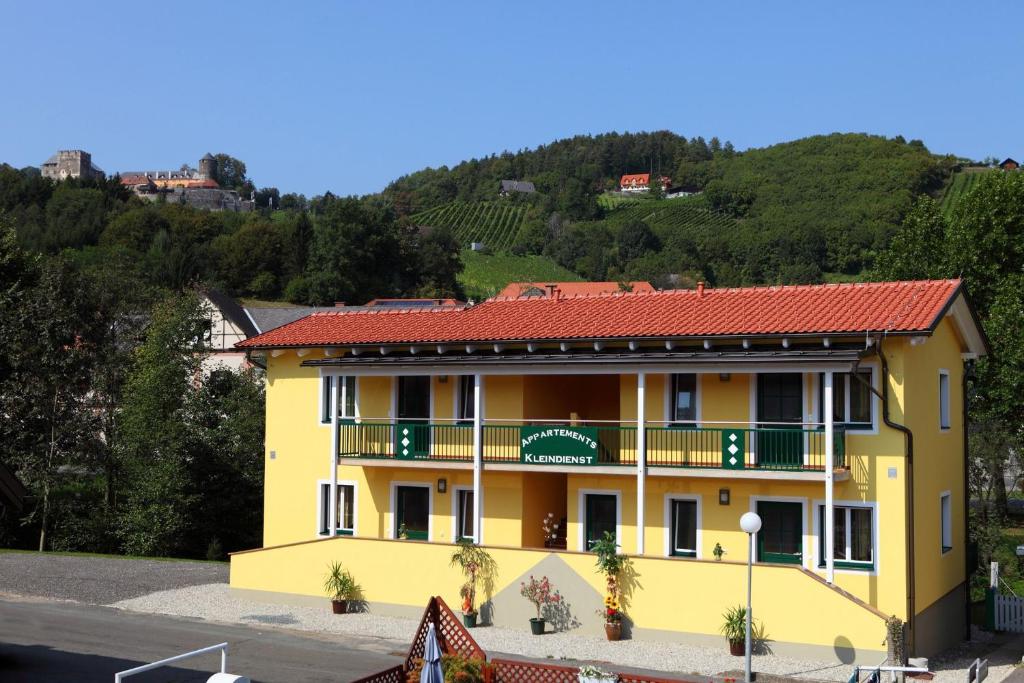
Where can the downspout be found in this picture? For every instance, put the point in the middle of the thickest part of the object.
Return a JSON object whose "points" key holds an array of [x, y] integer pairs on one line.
{"points": [[968, 569], [876, 349]]}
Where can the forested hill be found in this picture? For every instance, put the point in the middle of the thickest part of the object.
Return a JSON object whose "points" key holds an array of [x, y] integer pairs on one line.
{"points": [[812, 209]]}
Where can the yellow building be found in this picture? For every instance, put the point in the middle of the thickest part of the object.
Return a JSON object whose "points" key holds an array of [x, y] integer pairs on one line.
{"points": [[533, 426]]}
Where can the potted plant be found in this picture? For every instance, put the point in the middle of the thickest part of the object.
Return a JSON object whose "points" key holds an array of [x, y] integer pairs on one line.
{"points": [[340, 586], [611, 563], [734, 628], [718, 552], [539, 592], [592, 674], [550, 527], [475, 564]]}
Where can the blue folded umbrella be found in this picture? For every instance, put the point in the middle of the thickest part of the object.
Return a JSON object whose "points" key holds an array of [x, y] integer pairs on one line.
{"points": [[431, 659]]}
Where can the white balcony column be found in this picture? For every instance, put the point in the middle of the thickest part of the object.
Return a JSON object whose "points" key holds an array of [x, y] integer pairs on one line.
{"points": [[830, 527], [641, 460], [332, 506], [478, 460]]}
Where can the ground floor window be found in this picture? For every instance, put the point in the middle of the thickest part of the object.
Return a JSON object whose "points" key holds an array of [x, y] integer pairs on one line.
{"points": [[601, 513], [464, 515], [683, 528], [853, 544], [345, 521], [781, 535], [412, 512]]}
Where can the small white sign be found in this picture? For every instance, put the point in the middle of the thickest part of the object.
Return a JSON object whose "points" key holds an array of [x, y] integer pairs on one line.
{"points": [[892, 472]]}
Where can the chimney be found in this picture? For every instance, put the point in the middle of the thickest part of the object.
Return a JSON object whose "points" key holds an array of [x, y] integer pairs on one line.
{"points": [[557, 293], [700, 288], [551, 290]]}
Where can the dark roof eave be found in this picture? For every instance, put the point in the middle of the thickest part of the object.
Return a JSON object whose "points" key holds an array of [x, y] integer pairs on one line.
{"points": [[590, 340]]}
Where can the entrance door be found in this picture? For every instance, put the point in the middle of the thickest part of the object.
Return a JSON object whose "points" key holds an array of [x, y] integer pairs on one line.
{"points": [[780, 399], [601, 513], [412, 512], [413, 417], [782, 532]]}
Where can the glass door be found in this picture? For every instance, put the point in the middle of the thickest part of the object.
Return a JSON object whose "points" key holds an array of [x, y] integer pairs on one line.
{"points": [[782, 532], [780, 398], [413, 417], [412, 513], [601, 514]]}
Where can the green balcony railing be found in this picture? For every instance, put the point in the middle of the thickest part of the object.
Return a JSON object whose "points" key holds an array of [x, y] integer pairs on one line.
{"points": [[739, 448]]}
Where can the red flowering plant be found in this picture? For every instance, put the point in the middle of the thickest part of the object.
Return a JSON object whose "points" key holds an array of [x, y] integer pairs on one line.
{"points": [[540, 593]]}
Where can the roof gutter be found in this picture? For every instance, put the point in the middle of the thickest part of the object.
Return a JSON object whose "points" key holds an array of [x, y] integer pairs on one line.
{"points": [[252, 359], [876, 350]]}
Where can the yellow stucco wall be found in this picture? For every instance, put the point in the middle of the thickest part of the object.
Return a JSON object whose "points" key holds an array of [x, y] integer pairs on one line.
{"points": [[407, 573], [938, 460]]}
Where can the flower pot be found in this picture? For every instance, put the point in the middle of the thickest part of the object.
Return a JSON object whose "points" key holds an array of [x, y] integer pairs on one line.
{"points": [[469, 619], [613, 631], [737, 648], [537, 626], [339, 606]]}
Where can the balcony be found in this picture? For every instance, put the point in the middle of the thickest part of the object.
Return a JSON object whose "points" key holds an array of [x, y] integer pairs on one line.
{"points": [[539, 445]]}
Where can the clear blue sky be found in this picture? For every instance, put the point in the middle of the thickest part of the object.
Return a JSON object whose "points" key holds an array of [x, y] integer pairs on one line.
{"points": [[339, 96]]}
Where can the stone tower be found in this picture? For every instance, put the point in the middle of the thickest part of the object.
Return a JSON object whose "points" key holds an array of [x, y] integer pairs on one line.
{"points": [[207, 167], [70, 163]]}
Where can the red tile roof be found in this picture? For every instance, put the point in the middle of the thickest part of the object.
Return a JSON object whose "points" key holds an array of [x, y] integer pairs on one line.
{"points": [[517, 289], [899, 307]]}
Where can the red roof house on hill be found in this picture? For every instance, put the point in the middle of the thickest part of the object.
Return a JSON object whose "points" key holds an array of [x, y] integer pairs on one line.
{"points": [[640, 182]]}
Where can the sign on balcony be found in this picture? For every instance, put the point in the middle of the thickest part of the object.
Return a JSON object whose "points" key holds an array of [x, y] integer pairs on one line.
{"points": [[732, 449], [558, 445]]}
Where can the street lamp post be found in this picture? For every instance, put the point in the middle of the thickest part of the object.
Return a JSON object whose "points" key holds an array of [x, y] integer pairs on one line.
{"points": [[750, 522]]}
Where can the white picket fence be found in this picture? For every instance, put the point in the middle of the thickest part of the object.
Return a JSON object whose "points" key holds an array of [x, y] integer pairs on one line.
{"points": [[1009, 613]]}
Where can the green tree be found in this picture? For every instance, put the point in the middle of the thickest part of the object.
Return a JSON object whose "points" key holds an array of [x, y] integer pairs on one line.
{"points": [[230, 173], [636, 239], [439, 264], [152, 439]]}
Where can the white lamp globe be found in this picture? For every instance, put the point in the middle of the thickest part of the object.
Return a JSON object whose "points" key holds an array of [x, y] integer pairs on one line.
{"points": [[750, 522]]}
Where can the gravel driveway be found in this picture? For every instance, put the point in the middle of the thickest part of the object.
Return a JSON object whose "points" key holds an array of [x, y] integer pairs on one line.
{"points": [[100, 580]]}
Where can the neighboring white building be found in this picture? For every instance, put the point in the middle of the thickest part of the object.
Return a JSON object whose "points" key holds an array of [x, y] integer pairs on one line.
{"points": [[228, 325]]}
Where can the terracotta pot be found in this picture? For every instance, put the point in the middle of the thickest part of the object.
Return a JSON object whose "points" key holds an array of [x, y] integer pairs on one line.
{"points": [[737, 648], [613, 631], [339, 606], [537, 626]]}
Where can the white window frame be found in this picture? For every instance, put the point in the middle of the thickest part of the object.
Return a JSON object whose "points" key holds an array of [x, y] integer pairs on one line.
{"points": [[667, 536], [945, 402], [456, 491], [670, 399], [819, 404], [581, 510], [336, 384], [457, 398], [819, 534], [393, 510], [807, 538], [320, 506], [945, 522]]}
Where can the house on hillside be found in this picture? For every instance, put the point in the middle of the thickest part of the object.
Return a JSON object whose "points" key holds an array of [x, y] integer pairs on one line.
{"points": [[640, 182], [682, 191], [658, 418], [510, 187], [1009, 164], [227, 326], [550, 289]]}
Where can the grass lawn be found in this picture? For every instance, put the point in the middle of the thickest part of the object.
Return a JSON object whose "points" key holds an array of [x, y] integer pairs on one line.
{"points": [[115, 557], [486, 275]]}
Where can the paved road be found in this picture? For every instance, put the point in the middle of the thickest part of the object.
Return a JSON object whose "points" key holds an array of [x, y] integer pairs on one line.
{"points": [[53, 642], [100, 580]]}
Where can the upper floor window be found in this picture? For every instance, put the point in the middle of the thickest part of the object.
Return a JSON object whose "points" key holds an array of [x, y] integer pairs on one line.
{"points": [[943, 400], [466, 395], [851, 399], [684, 398], [346, 398]]}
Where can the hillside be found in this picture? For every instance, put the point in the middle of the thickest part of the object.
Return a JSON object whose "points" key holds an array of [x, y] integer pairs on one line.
{"points": [[961, 183], [487, 274], [495, 224]]}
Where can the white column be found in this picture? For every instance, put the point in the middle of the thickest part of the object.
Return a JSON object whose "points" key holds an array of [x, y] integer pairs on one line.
{"points": [[830, 526], [332, 505], [478, 460], [641, 460]]}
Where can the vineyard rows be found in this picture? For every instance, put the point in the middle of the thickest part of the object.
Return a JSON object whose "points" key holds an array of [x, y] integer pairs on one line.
{"points": [[495, 224], [670, 215], [958, 186]]}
